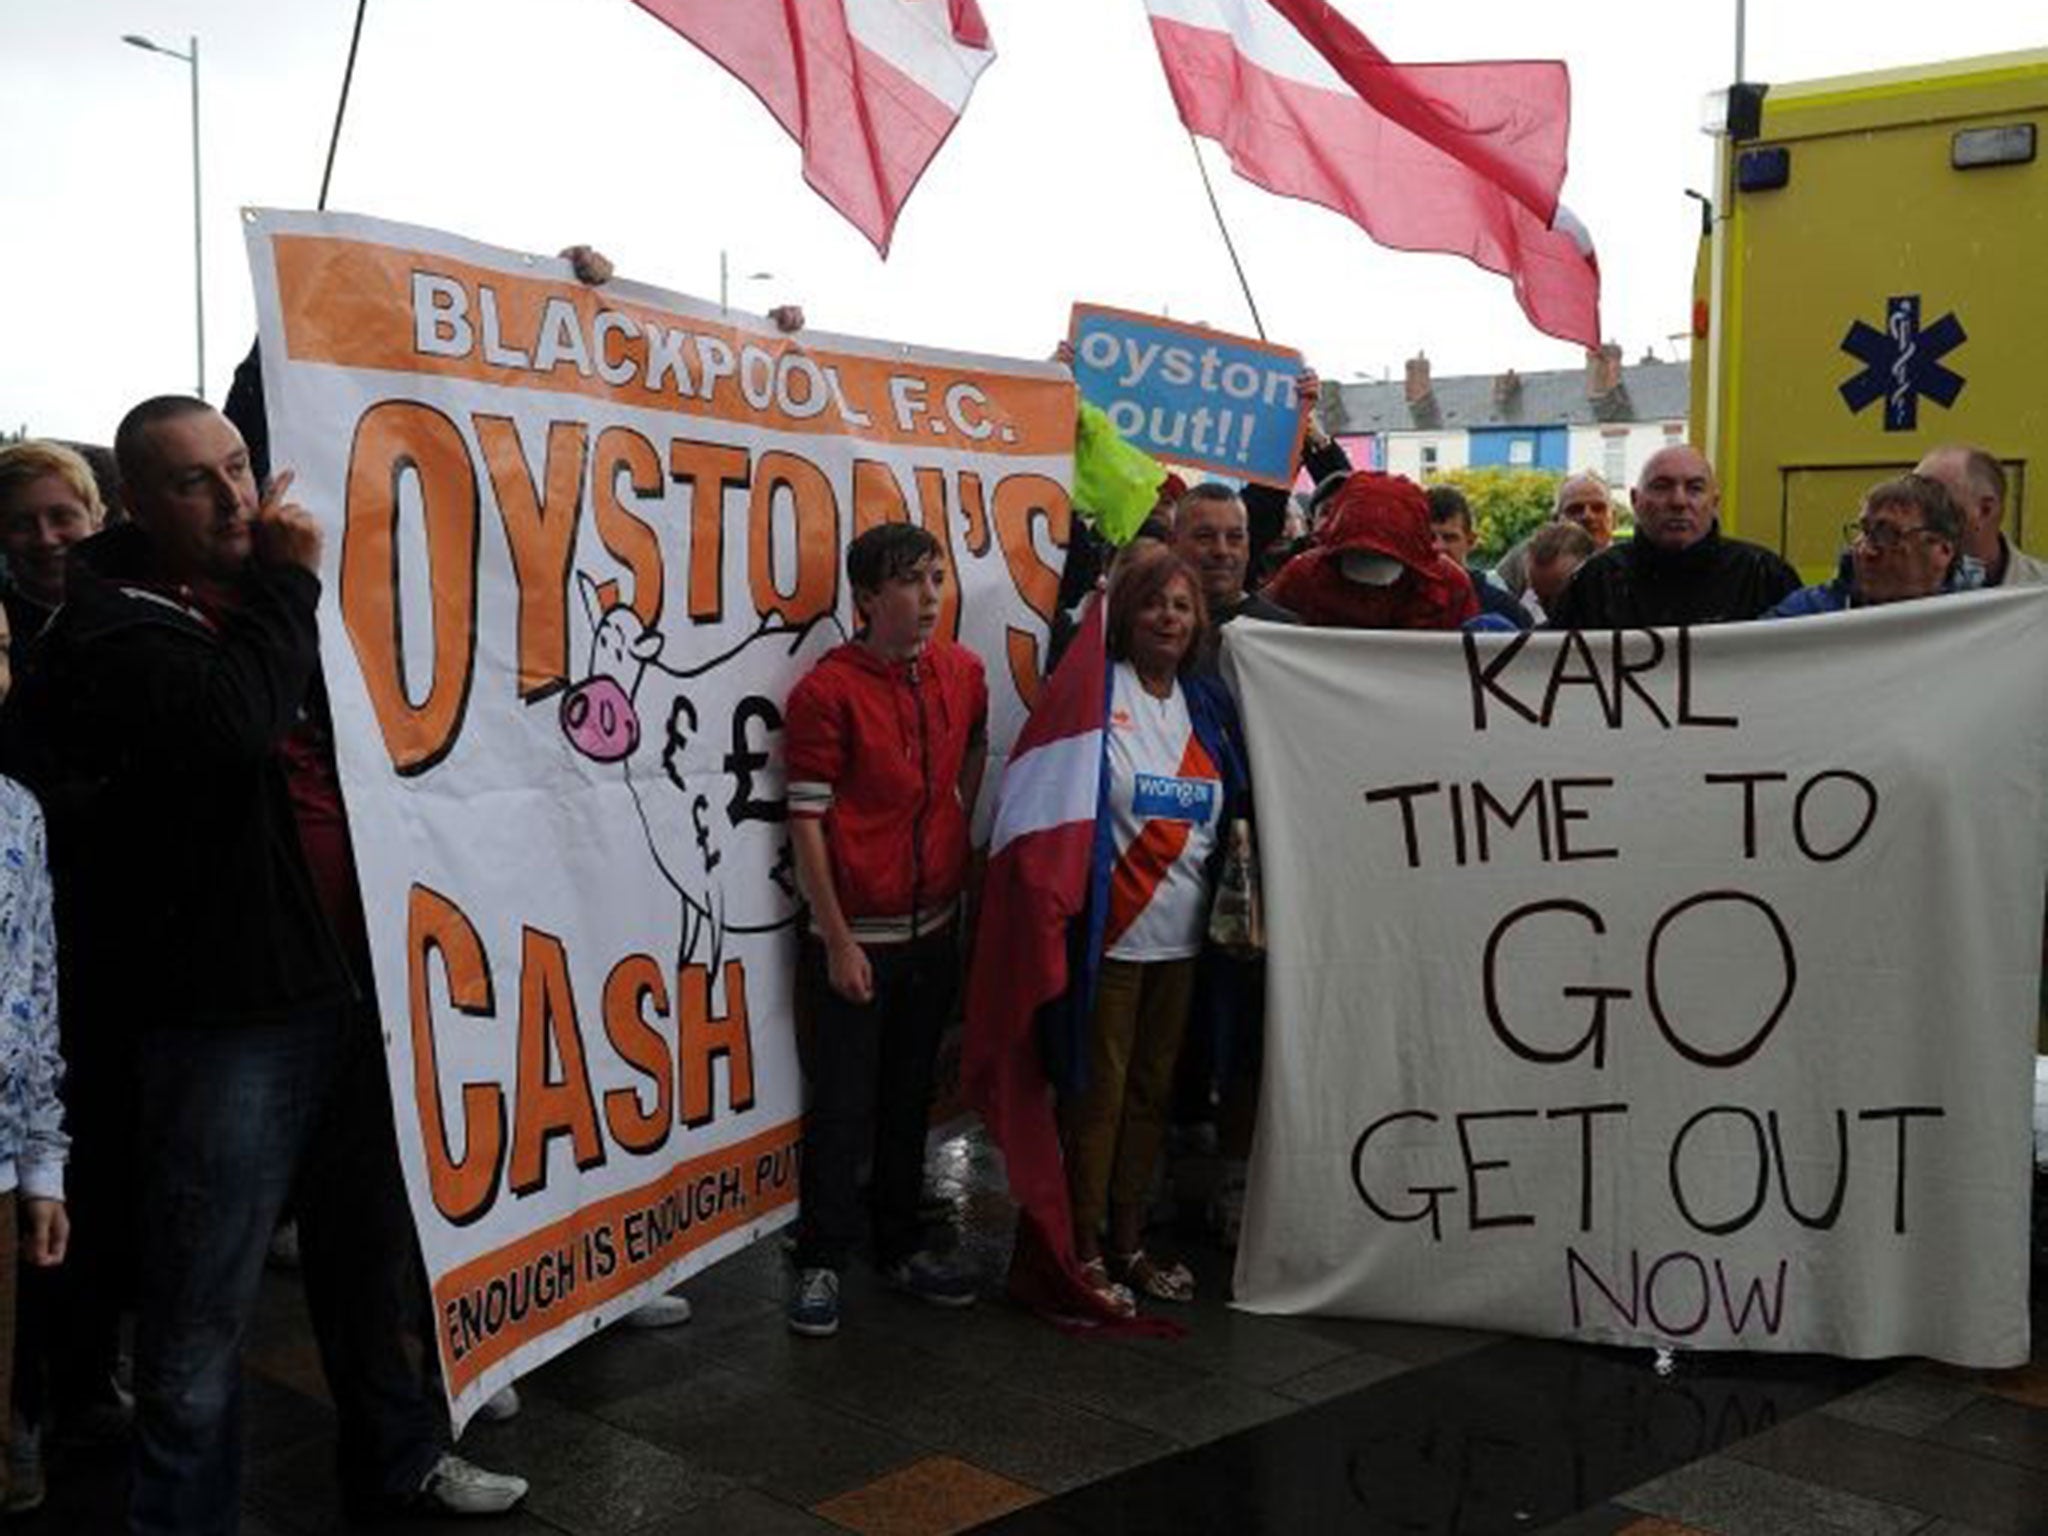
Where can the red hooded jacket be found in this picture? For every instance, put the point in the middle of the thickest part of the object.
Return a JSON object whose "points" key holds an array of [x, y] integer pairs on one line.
{"points": [[1383, 515], [875, 748]]}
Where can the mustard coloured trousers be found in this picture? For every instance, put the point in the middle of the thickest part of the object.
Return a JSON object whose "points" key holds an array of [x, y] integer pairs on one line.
{"points": [[1114, 1126]]}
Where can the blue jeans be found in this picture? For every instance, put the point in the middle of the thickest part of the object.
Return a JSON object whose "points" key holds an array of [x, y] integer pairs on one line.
{"points": [[234, 1120]]}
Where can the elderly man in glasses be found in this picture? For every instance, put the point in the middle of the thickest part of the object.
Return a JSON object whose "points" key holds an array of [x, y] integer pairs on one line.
{"points": [[1907, 543]]}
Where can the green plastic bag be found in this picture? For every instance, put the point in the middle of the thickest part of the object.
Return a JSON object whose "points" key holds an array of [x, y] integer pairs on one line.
{"points": [[1114, 483]]}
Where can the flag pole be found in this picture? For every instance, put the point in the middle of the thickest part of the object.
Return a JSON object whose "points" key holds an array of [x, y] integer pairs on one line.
{"points": [[341, 107], [1228, 244]]}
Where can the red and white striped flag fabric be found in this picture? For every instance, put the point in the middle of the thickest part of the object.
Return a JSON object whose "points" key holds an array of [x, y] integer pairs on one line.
{"points": [[1463, 158], [869, 88], [1040, 858]]}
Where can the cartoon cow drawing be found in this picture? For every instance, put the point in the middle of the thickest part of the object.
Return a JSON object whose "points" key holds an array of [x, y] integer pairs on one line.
{"points": [[700, 748]]}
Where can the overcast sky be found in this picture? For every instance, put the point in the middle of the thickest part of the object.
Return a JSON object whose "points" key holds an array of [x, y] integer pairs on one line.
{"points": [[535, 123]]}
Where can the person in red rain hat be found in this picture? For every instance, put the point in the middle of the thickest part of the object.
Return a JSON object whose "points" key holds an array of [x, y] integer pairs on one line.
{"points": [[1374, 564]]}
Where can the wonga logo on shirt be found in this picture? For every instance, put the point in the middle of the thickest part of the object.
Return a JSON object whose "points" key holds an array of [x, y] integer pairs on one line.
{"points": [[1164, 798]]}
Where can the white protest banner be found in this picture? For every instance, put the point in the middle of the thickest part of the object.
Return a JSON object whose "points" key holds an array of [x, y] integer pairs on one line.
{"points": [[1654, 987], [579, 543]]}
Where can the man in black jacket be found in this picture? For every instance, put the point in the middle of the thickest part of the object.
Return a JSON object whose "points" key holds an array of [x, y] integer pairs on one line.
{"points": [[1678, 569], [1322, 456], [208, 895]]}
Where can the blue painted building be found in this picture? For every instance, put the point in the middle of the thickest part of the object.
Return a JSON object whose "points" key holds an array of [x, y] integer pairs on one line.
{"points": [[1518, 447]]}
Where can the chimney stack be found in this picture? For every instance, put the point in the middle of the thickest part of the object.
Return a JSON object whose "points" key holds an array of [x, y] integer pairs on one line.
{"points": [[1507, 389], [1418, 388], [1603, 371]]}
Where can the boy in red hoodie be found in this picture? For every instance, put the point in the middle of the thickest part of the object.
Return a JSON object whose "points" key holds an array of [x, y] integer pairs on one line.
{"points": [[886, 741]]}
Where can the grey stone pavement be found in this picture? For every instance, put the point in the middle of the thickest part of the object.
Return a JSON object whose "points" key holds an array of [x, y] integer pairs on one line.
{"points": [[917, 1420]]}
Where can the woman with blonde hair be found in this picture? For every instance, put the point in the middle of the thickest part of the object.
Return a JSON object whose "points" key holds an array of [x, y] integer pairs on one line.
{"points": [[48, 502]]}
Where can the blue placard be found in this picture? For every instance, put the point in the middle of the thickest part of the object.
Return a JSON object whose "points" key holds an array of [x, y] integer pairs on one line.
{"points": [[1187, 395]]}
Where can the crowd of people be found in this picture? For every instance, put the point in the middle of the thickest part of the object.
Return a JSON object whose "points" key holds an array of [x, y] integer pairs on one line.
{"points": [[209, 1038]]}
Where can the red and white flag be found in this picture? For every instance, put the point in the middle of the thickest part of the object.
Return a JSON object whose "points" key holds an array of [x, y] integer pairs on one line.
{"points": [[1040, 857], [1462, 158], [869, 88]]}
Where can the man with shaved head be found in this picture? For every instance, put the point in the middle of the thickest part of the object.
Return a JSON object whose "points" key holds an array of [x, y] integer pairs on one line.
{"points": [[1678, 569], [1975, 481], [211, 929], [1212, 532]]}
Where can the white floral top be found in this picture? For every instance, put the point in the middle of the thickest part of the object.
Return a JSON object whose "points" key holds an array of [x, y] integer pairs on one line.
{"points": [[32, 1139]]}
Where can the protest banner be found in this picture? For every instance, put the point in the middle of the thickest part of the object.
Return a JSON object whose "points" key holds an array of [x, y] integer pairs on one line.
{"points": [[1657, 987], [579, 543], [1189, 395]]}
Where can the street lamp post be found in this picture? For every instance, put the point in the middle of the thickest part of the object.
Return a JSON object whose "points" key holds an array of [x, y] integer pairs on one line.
{"points": [[198, 249], [725, 281]]}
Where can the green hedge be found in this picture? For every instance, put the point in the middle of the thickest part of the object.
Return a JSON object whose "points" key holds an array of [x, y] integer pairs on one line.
{"points": [[1507, 505]]}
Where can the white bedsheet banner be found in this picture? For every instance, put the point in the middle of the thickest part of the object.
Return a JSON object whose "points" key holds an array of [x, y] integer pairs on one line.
{"points": [[579, 543], [1662, 988]]}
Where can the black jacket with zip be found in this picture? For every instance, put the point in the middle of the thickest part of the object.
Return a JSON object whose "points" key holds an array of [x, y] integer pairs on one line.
{"points": [[1632, 584], [152, 734]]}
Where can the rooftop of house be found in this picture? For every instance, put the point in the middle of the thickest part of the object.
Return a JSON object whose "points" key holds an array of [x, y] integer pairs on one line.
{"points": [[1606, 390]]}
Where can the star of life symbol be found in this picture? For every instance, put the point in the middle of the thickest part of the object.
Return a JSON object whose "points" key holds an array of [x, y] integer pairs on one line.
{"points": [[1903, 362]]}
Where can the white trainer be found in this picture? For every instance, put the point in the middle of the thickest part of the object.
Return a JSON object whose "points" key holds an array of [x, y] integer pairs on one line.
{"points": [[458, 1487], [662, 1312]]}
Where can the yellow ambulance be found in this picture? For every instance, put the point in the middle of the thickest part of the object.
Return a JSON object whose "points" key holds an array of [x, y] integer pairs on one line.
{"points": [[1875, 282]]}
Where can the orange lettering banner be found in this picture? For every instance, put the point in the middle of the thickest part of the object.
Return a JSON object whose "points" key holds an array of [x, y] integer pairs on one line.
{"points": [[579, 544], [359, 304], [499, 1301]]}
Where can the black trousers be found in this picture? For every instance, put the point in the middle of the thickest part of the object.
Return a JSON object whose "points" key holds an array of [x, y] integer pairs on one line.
{"points": [[871, 1067]]}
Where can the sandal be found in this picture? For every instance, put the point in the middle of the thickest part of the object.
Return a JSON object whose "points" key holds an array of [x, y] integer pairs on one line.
{"points": [[1114, 1299], [1162, 1282]]}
